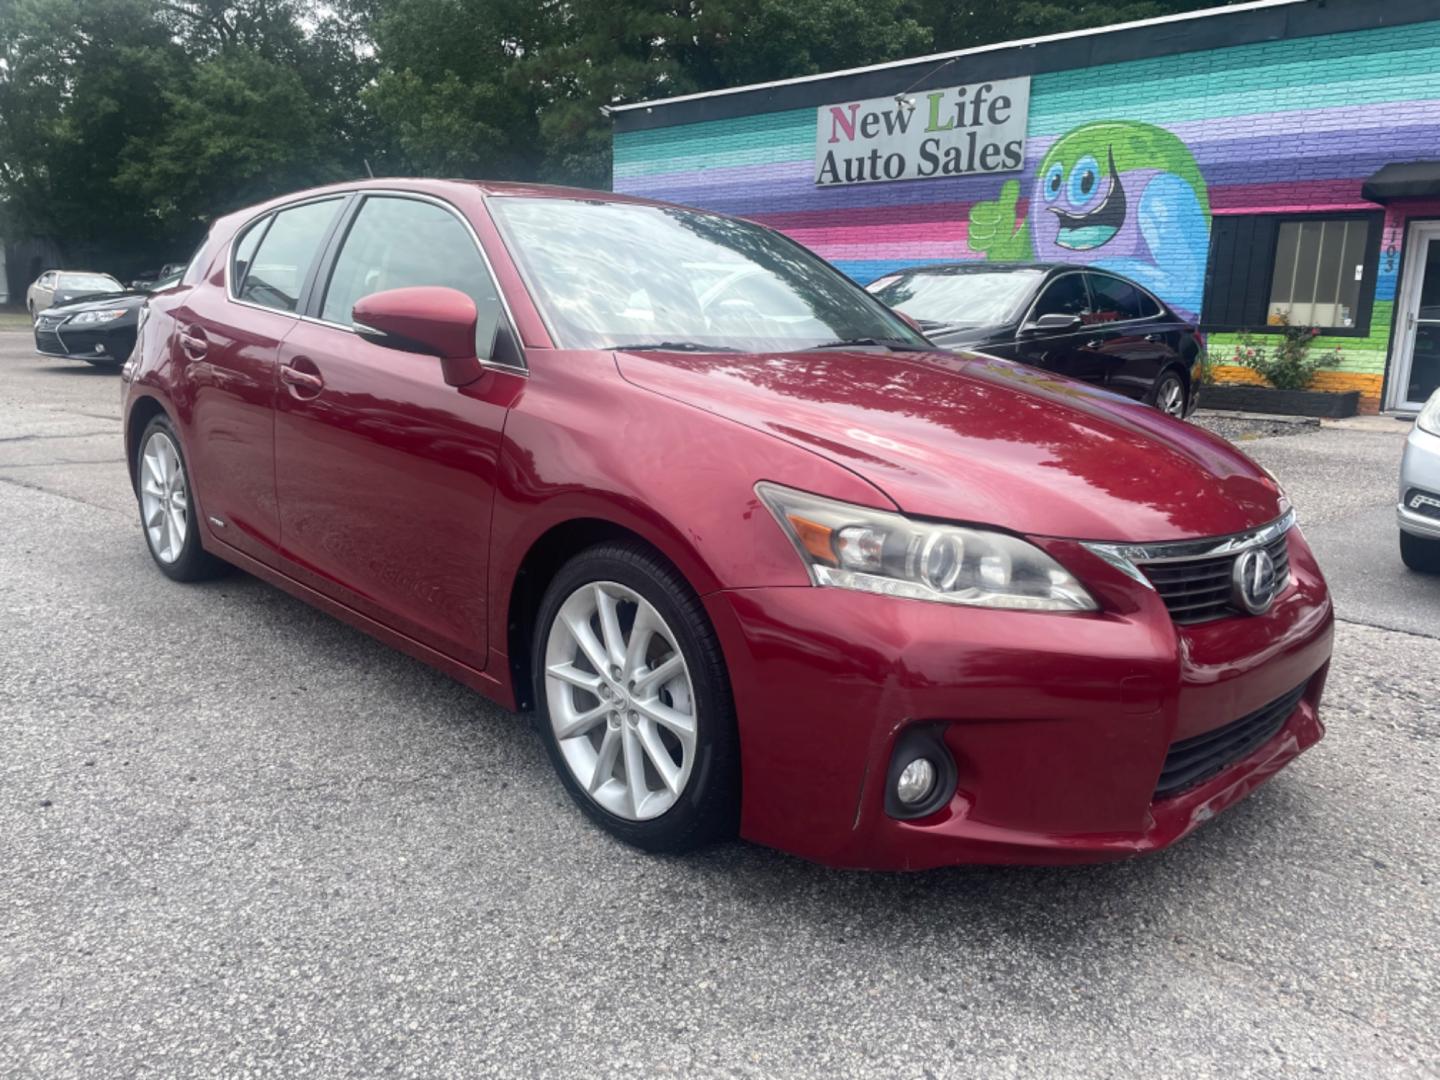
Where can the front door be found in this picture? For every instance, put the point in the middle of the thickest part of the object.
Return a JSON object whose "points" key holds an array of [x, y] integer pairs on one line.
{"points": [[1415, 374], [385, 474], [1074, 353]]}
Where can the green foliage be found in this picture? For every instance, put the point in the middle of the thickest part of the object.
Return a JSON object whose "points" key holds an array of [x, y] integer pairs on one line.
{"points": [[1285, 362], [125, 125]]}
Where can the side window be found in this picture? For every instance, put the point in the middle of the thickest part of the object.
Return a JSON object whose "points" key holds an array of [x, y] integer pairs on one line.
{"points": [[395, 243], [1149, 306], [47, 280], [1064, 296], [242, 252], [277, 273], [1115, 300]]}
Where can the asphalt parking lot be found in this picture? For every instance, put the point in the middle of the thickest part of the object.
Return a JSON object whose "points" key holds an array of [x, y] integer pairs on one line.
{"points": [[240, 838]]}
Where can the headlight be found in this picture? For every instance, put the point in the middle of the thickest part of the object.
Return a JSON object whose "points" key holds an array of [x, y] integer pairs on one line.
{"points": [[854, 547], [1429, 418], [98, 316]]}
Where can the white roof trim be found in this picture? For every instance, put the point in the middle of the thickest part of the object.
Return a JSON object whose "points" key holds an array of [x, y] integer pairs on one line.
{"points": [[998, 46]]}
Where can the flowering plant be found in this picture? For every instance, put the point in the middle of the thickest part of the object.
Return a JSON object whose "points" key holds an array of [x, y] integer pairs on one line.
{"points": [[1286, 364]]}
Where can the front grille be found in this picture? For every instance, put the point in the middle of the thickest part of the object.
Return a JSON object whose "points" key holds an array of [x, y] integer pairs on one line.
{"points": [[1194, 760], [1423, 502], [1198, 590], [47, 341]]}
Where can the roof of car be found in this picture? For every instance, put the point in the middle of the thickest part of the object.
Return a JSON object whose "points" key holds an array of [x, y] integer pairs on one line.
{"points": [[439, 188], [978, 266]]}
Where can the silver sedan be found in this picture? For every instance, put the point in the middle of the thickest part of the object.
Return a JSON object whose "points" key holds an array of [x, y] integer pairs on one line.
{"points": [[1419, 508], [62, 286]]}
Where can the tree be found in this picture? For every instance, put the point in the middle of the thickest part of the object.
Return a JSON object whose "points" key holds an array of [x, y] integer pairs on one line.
{"points": [[79, 80]]}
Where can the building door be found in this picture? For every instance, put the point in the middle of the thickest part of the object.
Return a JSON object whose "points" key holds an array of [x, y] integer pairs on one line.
{"points": [[1416, 371]]}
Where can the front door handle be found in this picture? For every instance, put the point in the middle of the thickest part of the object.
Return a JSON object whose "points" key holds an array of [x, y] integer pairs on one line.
{"points": [[1094, 343], [302, 384], [1154, 337]]}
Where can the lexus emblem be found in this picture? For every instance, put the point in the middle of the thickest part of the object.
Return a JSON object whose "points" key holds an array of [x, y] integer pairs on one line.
{"points": [[1253, 581]]}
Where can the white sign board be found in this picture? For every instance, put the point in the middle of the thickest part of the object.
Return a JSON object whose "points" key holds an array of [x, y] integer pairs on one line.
{"points": [[930, 133]]}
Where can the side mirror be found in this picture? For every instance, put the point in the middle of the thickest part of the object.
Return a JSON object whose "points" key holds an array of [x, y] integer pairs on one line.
{"points": [[1054, 323], [426, 319]]}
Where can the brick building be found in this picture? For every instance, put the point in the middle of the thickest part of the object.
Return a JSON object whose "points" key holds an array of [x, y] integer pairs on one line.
{"points": [[1268, 161]]}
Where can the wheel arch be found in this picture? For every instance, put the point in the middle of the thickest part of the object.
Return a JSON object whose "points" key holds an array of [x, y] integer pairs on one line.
{"points": [[537, 568], [144, 410]]}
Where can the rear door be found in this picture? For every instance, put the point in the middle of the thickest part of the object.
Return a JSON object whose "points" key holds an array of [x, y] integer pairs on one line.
{"points": [[1137, 339], [227, 333], [1069, 353], [385, 473]]}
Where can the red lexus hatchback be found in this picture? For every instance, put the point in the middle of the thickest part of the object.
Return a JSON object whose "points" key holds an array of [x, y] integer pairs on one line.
{"points": [[757, 557]]}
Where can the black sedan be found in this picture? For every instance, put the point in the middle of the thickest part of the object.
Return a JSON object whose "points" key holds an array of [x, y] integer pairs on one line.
{"points": [[1074, 320], [97, 329]]}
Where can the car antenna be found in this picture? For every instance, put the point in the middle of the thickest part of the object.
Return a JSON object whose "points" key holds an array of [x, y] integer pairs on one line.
{"points": [[368, 171]]}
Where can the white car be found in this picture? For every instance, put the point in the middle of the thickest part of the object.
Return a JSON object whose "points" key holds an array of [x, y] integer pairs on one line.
{"points": [[61, 286], [1419, 509]]}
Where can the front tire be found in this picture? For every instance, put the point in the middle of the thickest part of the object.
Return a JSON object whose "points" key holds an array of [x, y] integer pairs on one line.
{"points": [[1420, 553], [1169, 394], [633, 700], [168, 513]]}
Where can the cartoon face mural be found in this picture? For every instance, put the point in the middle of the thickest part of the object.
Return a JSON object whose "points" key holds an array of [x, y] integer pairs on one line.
{"points": [[1117, 194]]}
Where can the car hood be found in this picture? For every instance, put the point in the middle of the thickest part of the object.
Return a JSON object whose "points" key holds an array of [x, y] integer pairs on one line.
{"points": [[971, 438], [97, 302]]}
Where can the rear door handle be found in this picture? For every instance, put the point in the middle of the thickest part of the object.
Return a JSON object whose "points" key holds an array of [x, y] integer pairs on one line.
{"points": [[299, 381], [1154, 337], [192, 340]]}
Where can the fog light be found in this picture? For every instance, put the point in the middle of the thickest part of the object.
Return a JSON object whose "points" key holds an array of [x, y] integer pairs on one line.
{"points": [[99, 348], [916, 782]]}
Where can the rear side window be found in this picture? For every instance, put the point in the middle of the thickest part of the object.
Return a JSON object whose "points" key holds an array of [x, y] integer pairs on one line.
{"points": [[1115, 300], [276, 272], [1064, 296], [243, 252], [396, 243]]}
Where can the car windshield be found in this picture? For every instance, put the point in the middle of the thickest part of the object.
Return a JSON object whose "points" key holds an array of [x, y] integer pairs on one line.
{"points": [[90, 283], [937, 299], [608, 275]]}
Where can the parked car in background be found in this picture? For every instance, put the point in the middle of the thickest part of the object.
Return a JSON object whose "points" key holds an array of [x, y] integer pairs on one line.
{"points": [[97, 329], [758, 555], [62, 286], [1073, 320], [147, 280], [1419, 508]]}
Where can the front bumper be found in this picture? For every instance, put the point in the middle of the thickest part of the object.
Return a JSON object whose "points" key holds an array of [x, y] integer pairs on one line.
{"points": [[1418, 511], [97, 344], [1059, 724]]}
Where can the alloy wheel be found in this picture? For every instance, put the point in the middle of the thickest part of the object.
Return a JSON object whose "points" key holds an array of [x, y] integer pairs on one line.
{"points": [[164, 497], [620, 700], [1171, 398]]}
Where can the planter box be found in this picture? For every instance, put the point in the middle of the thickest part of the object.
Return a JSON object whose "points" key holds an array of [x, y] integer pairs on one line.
{"points": [[1265, 399]]}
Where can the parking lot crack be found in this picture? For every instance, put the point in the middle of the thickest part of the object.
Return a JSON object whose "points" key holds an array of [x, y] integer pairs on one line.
{"points": [[1388, 629], [58, 494]]}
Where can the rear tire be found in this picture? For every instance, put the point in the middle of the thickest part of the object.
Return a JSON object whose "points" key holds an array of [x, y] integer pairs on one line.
{"points": [[1420, 553], [1169, 394], [169, 513], [653, 761]]}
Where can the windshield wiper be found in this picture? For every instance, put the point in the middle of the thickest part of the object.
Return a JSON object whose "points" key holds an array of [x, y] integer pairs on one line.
{"points": [[672, 346], [894, 344]]}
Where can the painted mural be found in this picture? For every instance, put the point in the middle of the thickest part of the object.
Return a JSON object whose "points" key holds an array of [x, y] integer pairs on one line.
{"points": [[1117, 194], [1281, 126]]}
